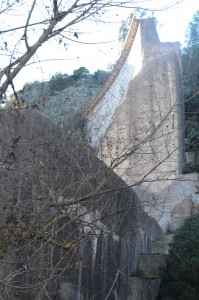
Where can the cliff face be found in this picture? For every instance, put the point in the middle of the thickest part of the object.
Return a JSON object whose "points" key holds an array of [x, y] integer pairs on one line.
{"points": [[70, 228]]}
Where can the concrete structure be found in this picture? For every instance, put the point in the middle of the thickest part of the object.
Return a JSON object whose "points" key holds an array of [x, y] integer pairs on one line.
{"points": [[70, 227], [143, 289], [141, 135], [145, 122], [100, 112]]}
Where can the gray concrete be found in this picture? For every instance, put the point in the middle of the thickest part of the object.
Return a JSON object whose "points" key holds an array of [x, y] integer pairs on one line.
{"points": [[144, 143], [143, 289], [144, 139], [46, 175], [100, 112], [151, 264]]}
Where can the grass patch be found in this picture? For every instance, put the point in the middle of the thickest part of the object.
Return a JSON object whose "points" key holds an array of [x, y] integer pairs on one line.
{"points": [[140, 274], [151, 277]]}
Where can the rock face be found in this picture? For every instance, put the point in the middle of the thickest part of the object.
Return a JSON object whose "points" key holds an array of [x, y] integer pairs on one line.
{"points": [[70, 227], [61, 105]]}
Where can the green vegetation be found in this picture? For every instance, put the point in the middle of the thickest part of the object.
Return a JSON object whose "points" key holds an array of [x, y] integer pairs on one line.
{"points": [[63, 97], [14, 103], [180, 280], [101, 76], [190, 64], [59, 81], [82, 72], [124, 28], [139, 273]]}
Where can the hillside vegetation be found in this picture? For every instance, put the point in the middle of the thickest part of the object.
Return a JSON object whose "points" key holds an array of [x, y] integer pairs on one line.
{"points": [[181, 276], [63, 97]]}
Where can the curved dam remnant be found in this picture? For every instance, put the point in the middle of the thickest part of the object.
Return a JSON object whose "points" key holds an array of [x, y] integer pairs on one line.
{"points": [[136, 121]]}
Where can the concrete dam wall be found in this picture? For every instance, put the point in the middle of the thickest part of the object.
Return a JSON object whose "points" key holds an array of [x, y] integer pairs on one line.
{"points": [[141, 136], [100, 112], [145, 123], [70, 228]]}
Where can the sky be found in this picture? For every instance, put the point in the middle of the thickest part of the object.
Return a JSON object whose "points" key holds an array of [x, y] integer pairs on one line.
{"points": [[173, 23], [97, 45]]}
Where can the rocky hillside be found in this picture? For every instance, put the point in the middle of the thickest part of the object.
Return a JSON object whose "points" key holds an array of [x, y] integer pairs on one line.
{"points": [[63, 97]]}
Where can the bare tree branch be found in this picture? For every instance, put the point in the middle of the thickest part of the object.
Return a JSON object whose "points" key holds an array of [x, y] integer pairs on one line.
{"points": [[27, 23]]}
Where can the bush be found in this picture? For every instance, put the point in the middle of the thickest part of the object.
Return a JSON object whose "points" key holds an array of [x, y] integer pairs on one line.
{"points": [[189, 168], [82, 72], [101, 76], [138, 273], [14, 103], [58, 82], [180, 280], [30, 85]]}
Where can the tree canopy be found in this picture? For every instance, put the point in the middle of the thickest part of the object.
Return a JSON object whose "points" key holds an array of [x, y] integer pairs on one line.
{"points": [[190, 59], [190, 64], [125, 25], [180, 281]]}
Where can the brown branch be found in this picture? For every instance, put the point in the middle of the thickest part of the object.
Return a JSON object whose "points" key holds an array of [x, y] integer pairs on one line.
{"points": [[24, 58], [27, 23], [55, 9]]}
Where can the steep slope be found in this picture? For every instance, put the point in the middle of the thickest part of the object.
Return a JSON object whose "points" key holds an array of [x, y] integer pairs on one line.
{"points": [[64, 105]]}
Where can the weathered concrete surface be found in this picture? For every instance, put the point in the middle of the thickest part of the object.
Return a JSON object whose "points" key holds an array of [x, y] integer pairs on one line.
{"points": [[144, 283], [144, 143], [144, 140], [151, 264], [146, 127], [143, 289], [162, 246], [70, 228], [100, 112], [171, 205]]}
